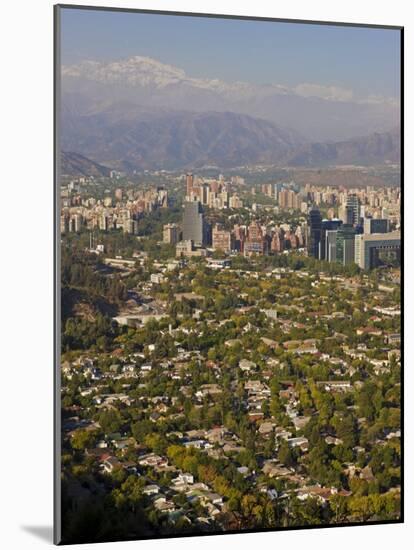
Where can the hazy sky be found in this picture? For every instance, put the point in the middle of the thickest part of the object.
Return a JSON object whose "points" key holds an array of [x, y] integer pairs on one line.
{"points": [[362, 59]]}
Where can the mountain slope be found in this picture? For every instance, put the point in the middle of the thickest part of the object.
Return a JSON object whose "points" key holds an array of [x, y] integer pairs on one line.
{"points": [[373, 149], [130, 138], [74, 164]]}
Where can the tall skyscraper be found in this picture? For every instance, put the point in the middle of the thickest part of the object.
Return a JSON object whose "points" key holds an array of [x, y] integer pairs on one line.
{"points": [[327, 225], [314, 232], [189, 184], [330, 245], [193, 223], [352, 210], [345, 244], [204, 193]]}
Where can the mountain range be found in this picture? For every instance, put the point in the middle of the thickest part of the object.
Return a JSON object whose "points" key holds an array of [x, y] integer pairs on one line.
{"points": [[130, 139], [139, 114], [319, 113], [177, 139]]}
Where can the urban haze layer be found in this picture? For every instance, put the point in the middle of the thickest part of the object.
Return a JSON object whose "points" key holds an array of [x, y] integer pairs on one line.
{"points": [[230, 275]]}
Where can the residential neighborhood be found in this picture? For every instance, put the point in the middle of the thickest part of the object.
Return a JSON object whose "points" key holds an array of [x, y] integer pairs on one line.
{"points": [[224, 393]]}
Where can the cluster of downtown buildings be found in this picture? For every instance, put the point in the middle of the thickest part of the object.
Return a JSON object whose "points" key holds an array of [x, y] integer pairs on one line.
{"points": [[121, 212], [361, 225], [213, 193], [198, 235], [361, 233], [358, 239]]}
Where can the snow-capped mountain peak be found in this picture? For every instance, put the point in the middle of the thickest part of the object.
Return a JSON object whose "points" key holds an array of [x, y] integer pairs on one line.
{"points": [[134, 71], [141, 71]]}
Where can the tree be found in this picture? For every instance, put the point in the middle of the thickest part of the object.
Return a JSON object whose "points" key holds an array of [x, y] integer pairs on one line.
{"points": [[83, 439], [285, 455], [140, 429], [346, 429], [110, 421], [365, 400], [318, 461]]}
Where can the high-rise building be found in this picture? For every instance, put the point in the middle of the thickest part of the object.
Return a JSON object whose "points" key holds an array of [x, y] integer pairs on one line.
{"points": [[77, 222], [291, 239], [327, 225], [287, 198], [103, 222], [254, 231], [314, 232], [300, 235], [189, 184], [131, 226], [239, 238], [235, 202], [162, 197], [64, 223], [330, 245], [282, 198], [194, 228], [352, 210], [374, 250], [221, 239], [254, 243], [170, 233], [267, 189], [224, 197], [345, 244], [276, 244], [204, 193]]}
